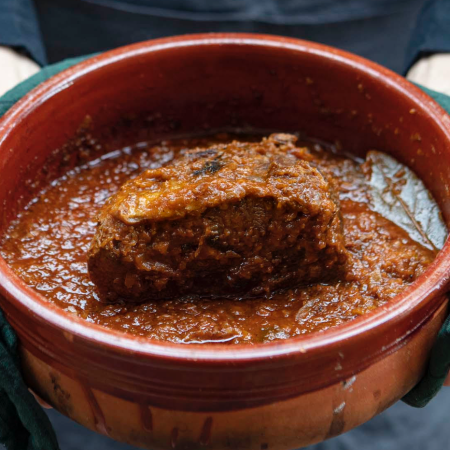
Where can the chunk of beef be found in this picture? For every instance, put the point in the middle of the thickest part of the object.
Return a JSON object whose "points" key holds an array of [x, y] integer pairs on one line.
{"points": [[235, 219]]}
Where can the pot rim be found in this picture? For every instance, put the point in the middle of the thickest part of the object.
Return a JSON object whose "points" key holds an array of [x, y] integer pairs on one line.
{"points": [[427, 289]]}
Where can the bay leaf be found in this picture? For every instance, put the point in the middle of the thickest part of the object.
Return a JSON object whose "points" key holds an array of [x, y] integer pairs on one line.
{"points": [[400, 196]]}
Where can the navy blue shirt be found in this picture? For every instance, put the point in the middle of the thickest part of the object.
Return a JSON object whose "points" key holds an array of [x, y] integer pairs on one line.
{"points": [[392, 32]]}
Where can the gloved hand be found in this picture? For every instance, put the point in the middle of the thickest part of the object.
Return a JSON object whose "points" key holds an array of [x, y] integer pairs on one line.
{"points": [[16, 68], [433, 72]]}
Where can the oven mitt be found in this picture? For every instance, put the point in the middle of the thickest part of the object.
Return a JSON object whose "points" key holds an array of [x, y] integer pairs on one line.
{"points": [[437, 370], [23, 423], [25, 426], [439, 363]]}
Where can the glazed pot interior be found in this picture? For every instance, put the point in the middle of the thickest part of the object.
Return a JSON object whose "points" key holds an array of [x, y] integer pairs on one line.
{"points": [[202, 84]]}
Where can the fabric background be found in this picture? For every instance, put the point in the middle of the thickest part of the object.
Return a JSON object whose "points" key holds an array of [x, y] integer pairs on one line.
{"points": [[53, 30], [19, 28], [432, 32]]}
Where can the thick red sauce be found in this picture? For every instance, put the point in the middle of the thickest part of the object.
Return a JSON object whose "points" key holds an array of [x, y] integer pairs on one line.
{"points": [[47, 247]]}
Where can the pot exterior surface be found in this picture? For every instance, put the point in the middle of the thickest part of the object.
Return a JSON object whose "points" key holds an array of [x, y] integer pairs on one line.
{"points": [[288, 424], [278, 395]]}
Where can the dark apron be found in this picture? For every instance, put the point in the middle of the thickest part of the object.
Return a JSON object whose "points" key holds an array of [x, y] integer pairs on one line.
{"points": [[377, 29]]}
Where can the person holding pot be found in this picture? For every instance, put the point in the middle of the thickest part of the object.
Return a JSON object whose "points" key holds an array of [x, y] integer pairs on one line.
{"points": [[410, 37]]}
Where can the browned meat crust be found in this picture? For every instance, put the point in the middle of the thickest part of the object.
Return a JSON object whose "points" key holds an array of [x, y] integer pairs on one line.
{"points": [[241, 218]]}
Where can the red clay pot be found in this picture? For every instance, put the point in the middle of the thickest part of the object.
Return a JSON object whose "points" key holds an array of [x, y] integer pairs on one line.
{"points": [[279, 395]]}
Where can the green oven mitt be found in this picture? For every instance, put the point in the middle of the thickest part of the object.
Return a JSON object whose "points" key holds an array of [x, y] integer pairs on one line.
{"points": [[436, 372], [439, 363], [23, 423], [25, 426]]}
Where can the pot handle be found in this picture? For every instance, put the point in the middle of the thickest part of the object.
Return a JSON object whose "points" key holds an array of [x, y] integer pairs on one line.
{"points": [[436, 373]]}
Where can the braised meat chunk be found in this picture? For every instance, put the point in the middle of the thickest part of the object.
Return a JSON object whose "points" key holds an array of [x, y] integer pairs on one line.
{"points": [[232, 219]]}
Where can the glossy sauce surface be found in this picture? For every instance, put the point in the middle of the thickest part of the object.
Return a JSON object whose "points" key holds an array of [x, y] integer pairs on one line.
{"points": [[47, 247]]}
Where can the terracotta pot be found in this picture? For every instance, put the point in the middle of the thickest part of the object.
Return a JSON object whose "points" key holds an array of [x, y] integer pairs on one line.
{"points": [[279, 395]]}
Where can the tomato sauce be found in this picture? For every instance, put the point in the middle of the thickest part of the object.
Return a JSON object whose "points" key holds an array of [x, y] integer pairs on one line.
{"points": [[48, 243]]}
